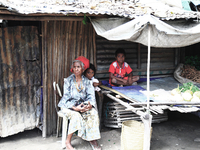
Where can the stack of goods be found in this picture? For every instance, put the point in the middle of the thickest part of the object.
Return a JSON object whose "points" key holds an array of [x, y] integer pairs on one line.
{"points": [[190, 72], [114, 114]]}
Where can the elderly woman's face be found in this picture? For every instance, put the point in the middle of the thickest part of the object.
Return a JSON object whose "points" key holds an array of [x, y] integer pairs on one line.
{"points": [[77, 68]]}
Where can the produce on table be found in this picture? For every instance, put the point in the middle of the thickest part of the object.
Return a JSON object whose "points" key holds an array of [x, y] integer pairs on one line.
{"points": [[196, 97], [187, 96], [197, 94], [178, 97], [187, 92], [187, 86], [176, 91], [190, 92]]}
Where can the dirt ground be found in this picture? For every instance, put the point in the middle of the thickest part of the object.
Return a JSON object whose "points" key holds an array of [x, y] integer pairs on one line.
{"points": [[180, 132]]}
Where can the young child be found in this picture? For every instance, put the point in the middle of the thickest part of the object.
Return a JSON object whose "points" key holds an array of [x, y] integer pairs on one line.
{"points": [[120, 73], [89, 73]]}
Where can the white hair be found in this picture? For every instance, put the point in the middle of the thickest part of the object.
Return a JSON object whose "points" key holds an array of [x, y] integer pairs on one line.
{"points": [[81, 63]]}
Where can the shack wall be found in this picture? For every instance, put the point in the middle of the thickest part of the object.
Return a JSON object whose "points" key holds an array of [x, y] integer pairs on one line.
{"points": [[62, 42], [163, 60], [20, 78]]}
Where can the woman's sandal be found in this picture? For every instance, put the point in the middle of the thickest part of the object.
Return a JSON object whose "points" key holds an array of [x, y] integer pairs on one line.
{"points": [[94, 147]]}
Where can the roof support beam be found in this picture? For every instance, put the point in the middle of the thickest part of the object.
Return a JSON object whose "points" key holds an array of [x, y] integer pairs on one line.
{"points": [[40, 18]]}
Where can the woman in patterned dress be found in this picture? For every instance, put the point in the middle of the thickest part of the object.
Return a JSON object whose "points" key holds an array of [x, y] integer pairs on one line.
{"points": [[78, 104]]}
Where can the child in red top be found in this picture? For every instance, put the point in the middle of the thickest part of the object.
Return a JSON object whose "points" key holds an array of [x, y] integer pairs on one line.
{"points": [[120, 71]]}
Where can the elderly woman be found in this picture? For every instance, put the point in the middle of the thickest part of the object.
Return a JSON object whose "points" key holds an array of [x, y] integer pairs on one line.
{"points": [[78, 103]]}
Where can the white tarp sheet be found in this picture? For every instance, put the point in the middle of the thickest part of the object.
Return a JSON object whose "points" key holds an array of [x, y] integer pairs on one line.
{"points": [[163, 34]]}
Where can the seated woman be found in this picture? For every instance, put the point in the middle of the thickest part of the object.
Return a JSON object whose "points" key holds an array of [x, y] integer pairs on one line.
{"points": [[78, 103]]}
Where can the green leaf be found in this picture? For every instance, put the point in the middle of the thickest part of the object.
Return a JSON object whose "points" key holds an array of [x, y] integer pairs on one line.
{"points": [[84, 21]]}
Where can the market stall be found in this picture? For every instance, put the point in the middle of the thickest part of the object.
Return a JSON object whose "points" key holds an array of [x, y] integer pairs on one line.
{"points": [[130, 103], [152, 32]]}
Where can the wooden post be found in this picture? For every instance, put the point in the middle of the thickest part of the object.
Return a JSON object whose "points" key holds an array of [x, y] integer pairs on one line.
{"points": [[139, 56], [148, 118], [44, 77]]}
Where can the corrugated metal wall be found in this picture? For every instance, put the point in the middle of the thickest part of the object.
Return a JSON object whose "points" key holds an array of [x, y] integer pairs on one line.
{"points": [[163, 60], [63, 41], [20, 77]]}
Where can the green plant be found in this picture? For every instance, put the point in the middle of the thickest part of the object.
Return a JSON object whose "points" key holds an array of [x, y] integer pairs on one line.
{"points": [[84, 21], [188, 86], [193, 61]]}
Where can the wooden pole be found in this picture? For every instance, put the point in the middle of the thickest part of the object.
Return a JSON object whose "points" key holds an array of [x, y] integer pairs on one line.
{"points": [[44, 77], [139, 57], [148, 118], [148, 67], [165, 103]]}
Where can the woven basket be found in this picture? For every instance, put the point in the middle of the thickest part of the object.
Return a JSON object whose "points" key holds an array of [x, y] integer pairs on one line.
{"points": [[132, 135]]}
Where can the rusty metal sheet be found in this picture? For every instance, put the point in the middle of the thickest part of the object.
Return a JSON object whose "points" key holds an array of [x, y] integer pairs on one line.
{"points": [[20, 77]]}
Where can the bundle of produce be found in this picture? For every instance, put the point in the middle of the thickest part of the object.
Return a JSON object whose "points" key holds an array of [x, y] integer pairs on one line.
{"points": [[188, 86], [190, 72], [188, 92]]}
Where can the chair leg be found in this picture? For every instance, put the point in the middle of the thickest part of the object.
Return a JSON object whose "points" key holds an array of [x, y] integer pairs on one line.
{"points": [[58, 127], [64, 131]]}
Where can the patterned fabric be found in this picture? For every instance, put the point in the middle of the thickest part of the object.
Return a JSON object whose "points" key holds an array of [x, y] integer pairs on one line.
{"points": [[119, 72], [87, 123], [72, 96]]}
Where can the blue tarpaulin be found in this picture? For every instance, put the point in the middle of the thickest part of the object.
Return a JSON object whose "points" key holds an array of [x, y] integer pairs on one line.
{"points": [[132, 92]]}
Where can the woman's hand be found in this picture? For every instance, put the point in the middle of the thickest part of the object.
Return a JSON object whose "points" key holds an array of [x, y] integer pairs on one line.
{"points": [[82, 107], [89, 106]]}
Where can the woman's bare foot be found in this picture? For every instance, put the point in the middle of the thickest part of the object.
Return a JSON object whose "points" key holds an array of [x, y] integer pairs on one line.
{"points": [[69, 146], [95, 145]]}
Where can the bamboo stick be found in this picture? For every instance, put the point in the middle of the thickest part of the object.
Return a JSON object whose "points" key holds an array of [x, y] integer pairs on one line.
{"points": [[94, 47], [165, 103], [65, 65], [80, 37], [69, 56]]}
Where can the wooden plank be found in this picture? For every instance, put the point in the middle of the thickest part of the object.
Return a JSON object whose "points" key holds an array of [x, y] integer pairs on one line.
{"points": [[39, 18]]}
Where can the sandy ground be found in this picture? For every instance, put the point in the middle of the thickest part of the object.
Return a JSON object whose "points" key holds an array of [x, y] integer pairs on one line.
{"points": [[180, 132]]}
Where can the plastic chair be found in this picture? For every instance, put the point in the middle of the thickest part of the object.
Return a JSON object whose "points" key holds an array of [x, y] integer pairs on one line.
{"points": [[61, 116]]}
